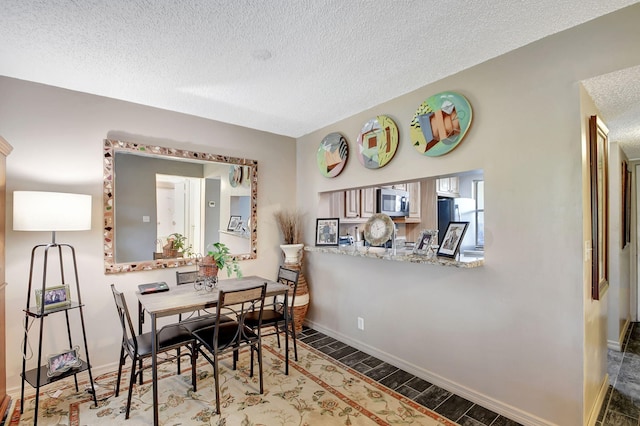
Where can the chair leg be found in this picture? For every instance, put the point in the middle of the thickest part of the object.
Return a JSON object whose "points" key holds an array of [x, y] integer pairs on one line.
{"points": [[141, 370], [260, 365], [194, 357], [251, 368], [120, 370], [132, 382], [293, 337], [277, 327], [178, 360], [217, 380]]}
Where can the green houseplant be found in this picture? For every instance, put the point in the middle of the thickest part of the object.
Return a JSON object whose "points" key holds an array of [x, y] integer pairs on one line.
{"points": [[219, 257], [177, 243]]}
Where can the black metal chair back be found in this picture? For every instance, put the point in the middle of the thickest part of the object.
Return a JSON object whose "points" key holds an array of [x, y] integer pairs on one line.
{"points": [[139, 346], [231, 336], [275, 315]]}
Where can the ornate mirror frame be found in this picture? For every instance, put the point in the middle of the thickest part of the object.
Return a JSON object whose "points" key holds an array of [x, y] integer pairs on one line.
{"points": [[110, 148]]}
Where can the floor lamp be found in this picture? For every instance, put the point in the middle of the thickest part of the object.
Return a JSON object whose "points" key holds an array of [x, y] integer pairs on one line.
{"points": [[51, 212]]}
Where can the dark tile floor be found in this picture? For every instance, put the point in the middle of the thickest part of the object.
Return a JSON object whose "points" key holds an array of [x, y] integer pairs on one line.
{"points": [[445, 403], [621, 405]]}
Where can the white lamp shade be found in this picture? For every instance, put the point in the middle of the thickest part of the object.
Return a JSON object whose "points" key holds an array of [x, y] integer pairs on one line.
{"points": [[51, 211]]}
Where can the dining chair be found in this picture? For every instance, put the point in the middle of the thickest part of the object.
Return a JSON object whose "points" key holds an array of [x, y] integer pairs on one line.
{"points": [[138, 346], [274, 316], [232, 336], [196, 319]]}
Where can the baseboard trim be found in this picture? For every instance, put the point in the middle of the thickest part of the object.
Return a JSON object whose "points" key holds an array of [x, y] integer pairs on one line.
{"points": [[614, 346], [597, 407], [617, 345], [485, 401]]}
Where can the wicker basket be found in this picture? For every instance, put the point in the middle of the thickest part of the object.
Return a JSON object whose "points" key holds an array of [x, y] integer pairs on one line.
{"points": [[168, 252]]}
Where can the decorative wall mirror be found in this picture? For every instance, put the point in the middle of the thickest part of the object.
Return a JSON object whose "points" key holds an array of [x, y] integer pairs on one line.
{"points": [[151, 192]]}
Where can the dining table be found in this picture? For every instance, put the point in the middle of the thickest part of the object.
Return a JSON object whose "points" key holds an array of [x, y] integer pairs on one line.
{"points": [[180, 299]]}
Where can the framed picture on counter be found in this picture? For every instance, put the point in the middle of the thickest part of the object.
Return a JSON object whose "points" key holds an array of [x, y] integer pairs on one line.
{"points": [[428, 238], [327, 232], [233, 223], [452, 239]]}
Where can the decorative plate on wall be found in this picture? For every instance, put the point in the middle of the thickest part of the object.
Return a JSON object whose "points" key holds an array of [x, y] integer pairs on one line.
{"points": [[332, 154], [235, 175], [377, 142], [440, 123]]}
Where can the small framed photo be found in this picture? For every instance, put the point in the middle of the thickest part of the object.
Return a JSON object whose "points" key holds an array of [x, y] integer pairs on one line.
{"points": [[452, 239], [428, 238], [233, 223], [239, 226], [327, 232], [62, 362], [53, 297]]}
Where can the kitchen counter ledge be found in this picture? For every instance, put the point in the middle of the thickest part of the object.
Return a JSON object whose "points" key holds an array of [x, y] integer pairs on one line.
{"points": [[401, 256]]}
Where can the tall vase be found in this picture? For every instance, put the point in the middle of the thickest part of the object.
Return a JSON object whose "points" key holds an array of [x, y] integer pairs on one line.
{"points": [[293, 254]]}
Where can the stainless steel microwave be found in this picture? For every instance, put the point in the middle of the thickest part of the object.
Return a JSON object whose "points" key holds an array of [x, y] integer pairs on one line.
{"points": [[392, 202]]}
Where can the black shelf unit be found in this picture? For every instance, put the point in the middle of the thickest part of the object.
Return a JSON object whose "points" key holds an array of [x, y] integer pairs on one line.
{"points": [[31, 376], [37, 377]]}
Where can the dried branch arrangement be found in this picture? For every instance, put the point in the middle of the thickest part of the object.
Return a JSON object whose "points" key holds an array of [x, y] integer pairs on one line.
{"points": [[290, 224]]}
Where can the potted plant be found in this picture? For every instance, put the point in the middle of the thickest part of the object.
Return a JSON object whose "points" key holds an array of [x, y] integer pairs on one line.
{"points": [[176, 243], [290, 225], [219, 257]]}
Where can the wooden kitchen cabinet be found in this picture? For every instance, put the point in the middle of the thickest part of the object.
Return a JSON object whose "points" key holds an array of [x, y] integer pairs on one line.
{"points": [[414, 200], [448, 187], [352, 204], [367, 202], [336, 204]]}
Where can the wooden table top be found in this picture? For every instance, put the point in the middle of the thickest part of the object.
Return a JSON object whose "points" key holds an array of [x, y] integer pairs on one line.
{"points": [[185, 298]]}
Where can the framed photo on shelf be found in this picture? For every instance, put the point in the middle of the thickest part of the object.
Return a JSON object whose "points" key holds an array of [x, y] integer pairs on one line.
{"points": [[239, 226], [327, 231], [53, 297], [233, 223], [62, 362], [452, 239], [428, 238]]}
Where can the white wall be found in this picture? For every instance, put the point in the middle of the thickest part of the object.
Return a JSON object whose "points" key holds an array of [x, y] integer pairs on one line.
{"points": [[57, 138], [519, 335], [619, 268]]}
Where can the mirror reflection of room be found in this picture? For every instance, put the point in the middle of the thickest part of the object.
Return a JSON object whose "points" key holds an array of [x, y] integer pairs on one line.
{"points": [[161, 199]]}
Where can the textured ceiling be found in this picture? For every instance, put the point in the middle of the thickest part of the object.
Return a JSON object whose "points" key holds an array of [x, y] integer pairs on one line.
{"points": [[284, 66], [617, 96]]}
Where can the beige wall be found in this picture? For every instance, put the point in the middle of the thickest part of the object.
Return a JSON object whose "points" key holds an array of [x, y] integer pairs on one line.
{"points": [[519, 335], [57, 138], [596, 313]]}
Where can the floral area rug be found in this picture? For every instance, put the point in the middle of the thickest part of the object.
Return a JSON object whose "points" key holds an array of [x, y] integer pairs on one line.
{"points": [[317, 391]]}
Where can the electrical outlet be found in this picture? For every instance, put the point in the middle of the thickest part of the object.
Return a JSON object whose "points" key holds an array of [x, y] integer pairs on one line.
{"points": [[360, 323]]}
